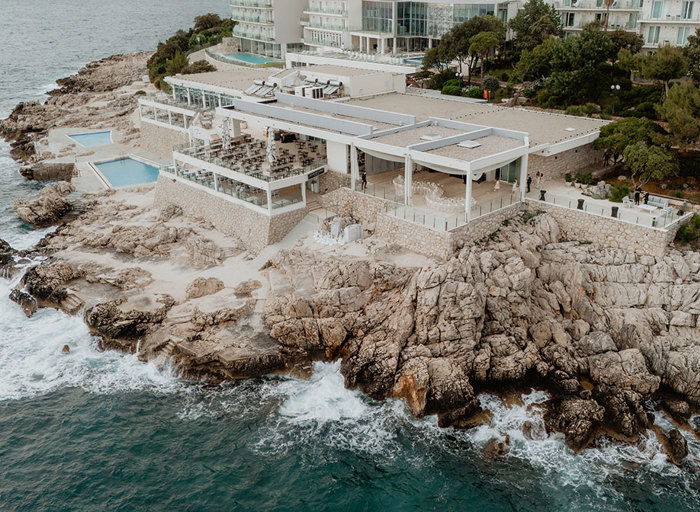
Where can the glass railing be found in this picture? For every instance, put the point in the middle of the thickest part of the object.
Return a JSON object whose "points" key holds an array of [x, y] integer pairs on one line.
{"points": [[263, 4], [631, 214]]}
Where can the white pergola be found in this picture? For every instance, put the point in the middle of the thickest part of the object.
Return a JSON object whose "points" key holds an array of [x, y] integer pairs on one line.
{"points": [[357, 128]]}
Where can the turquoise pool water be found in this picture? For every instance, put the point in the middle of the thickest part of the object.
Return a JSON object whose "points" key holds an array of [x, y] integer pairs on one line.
{"points": [[250, 58], [127, 171], [92, 139], [414, 61]]}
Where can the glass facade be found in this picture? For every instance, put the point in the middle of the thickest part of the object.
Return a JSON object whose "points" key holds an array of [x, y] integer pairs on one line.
{"points": [[377, 17], [411, 19], [464, 12]]}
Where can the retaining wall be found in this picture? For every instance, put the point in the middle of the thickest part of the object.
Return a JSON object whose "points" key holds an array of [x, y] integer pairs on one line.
{"points": [[255, 230], [555, 167], [160, 140]]}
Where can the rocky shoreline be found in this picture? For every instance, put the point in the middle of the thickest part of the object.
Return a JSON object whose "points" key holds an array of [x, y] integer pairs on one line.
{"points": [[606, 332]]}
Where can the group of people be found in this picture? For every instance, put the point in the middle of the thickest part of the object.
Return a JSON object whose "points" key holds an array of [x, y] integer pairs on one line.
{"points": [[609, 159], [638, 197], [539, 180]]}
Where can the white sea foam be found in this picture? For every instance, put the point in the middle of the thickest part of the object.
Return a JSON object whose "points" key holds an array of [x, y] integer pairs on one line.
{"points": [[31, 361]]}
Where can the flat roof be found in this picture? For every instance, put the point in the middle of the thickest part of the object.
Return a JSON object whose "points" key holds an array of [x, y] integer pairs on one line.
{"points": [[489, 145], [414, 135], [329, 69], [542, 127], [238, 79]]}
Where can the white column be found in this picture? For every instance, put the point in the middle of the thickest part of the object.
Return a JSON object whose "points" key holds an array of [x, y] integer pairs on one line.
{"points": [[219, 96], [393, 50], [468, 202], [269, 200], [354, 167], [523, 176], [184, 121], [382, 46], [216, 182], [170, 117], [155, 113], [236, 128], [189, 98], [408, 181], [303, 193]]}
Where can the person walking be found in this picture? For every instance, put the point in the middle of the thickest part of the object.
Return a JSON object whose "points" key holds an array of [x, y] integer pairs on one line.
{"points": [[646, 198], [529, 182], [637, 194], [497, 186], [364, 180]]}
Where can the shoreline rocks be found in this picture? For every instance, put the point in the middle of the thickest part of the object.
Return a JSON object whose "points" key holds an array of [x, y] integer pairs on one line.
{"points": [[48, 209]]}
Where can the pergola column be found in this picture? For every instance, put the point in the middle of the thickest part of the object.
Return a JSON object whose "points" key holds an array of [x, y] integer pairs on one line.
{"points": [[216, 182], [303, 192], [170, 117], [269, 200], [408, 181], [523, 176], [468, 201], [235, 128], [155, 113], [354, 167], [189, 97]]}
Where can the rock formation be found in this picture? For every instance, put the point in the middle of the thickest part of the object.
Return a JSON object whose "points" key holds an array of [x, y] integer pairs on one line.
{"points": [[48, 209]]}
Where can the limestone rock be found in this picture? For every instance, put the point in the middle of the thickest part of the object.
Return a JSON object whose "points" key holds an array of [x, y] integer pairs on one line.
{"points": [[203, 286], [25, 301], [49, 208], [576, 419]]}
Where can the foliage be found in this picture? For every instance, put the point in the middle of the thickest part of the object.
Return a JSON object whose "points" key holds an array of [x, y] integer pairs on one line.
{"points": [[437, 57], [452, 90], [438, 80], [200, 66], [689, 232], [568, 177], [623, 40], [647, 163], [171, 56], [534, 24], [682, 111], [666, 64], [618, 192], [491, 84], [583, 110], [618, 135], [474, 92], [692, 53], [585, 178], [482, 44]]}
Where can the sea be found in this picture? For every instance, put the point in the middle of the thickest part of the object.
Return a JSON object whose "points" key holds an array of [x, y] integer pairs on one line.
{"points": [[99, 430]]}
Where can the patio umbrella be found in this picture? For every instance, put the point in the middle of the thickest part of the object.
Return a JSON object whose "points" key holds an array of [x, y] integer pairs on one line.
{"points": [[271, 149], [225, 135]]}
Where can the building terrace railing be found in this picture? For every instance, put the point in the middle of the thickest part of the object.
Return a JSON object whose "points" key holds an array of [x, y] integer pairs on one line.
{"points": [[215, 154], [659, 219]]}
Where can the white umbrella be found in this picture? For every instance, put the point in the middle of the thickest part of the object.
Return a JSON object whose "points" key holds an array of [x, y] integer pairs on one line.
{"points": [[271, 149]]}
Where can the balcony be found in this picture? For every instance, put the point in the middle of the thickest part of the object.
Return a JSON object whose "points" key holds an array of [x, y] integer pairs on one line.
{"points": [[260, 4], [596, 5], [249, 33]]}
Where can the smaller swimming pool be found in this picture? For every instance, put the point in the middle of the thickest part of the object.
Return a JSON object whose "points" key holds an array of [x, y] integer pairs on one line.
{"points": [[414, 61], [250, 58], [127, 171], [92, 139]]}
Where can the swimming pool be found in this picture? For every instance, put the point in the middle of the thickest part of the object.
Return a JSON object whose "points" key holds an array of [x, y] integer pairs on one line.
{"points": [[250, 58], [414, 61], [92, 139], [127, 171]]}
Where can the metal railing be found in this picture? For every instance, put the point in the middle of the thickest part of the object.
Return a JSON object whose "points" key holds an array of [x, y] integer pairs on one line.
{"points": [[660, 218]]}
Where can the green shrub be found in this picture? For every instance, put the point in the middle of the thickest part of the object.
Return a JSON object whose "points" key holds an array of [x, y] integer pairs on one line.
{"points": [[201, 66], [452, 90], [618, 192], [567, 177], [505, 76], [474, 92], [575, 110], [689, 232], [585, 178], [678, 194], [605, 116], [140, 93], [491, 84], [452, 82], [438, 80], [529, 93]]}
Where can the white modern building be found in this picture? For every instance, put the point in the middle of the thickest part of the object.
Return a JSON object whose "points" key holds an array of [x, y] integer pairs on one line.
{"points": [[268, 27], [660, 22]]}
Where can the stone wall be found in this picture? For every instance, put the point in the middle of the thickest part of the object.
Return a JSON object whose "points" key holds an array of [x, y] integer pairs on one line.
{"points": [[609, 232], [331, 180], [483, 226], [363, 207], [160, 140], [555, 167], [255, 230], [414, 237]]}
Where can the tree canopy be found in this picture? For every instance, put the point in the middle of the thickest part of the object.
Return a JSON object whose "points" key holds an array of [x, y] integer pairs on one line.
{"points": [[681, 109], [616, 136], [664, 65], [647, 163], [534, 24], [692, 53]]}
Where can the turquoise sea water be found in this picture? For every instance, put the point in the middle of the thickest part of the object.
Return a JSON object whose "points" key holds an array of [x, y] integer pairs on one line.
{"points": [[92, 139], [127, 171], [101, 431]]}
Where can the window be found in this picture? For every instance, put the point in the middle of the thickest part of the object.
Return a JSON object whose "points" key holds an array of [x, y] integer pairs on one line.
{"points": [[569, 19], [411, 19], [687, 10], [656, 9], [377, 17], [653, 37], [683, 33]]}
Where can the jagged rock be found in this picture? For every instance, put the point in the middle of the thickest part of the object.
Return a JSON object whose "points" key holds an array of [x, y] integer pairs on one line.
{"points": [[679, 409], [495, 448], [25, 301], [623, 370], [676, 445], [65, 349], [247, 287], [576, 419], [120, 320], [169, 212], [624, 411], [203, 286], [49, 171], [46, 282], [49, 208]]}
